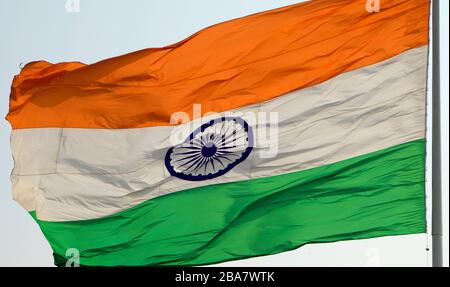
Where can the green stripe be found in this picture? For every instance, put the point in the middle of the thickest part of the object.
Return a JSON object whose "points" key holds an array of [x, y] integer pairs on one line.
{"points": [[376, 194]]}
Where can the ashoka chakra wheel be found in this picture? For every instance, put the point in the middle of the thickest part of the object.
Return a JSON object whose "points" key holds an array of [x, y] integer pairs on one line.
{"points": [[211, 150]]}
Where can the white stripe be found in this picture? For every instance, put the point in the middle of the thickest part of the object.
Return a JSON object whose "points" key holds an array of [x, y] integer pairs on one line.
{"points": [[70, 174]]}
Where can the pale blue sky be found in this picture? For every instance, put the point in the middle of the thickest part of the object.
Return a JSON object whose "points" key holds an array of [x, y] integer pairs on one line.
{"points": [[43, 30]]}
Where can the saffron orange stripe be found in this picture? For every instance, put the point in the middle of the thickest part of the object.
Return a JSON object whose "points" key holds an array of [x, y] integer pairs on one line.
{"points": [[226, 66]]}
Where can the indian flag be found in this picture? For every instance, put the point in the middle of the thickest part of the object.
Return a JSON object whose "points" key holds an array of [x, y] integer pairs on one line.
{"points": [[255, 136]]}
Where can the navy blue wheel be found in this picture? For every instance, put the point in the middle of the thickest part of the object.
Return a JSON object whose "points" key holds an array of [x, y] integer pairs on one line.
{"points": [[211, 150]]}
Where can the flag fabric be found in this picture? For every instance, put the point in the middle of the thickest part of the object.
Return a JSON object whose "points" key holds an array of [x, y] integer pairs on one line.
{"points": [[96, 166]]}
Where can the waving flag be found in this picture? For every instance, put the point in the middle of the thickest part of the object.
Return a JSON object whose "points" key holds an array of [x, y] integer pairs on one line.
{"points": [[101, 166]]}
